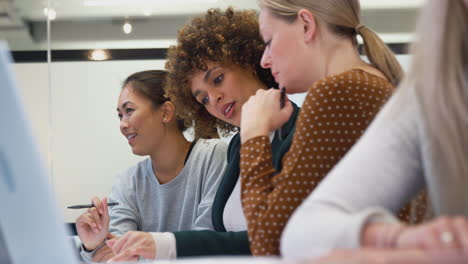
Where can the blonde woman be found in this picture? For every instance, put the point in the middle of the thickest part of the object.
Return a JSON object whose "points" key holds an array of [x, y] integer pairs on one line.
{"points": [[418, 138], [310, 47]]}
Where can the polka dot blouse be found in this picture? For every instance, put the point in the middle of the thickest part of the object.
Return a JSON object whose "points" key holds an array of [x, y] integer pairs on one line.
{"points": [[334, 115]]}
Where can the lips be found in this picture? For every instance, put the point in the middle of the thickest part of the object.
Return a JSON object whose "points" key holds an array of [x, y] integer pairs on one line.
{"points": [[275, 75], [130, 138], [228, 109]]}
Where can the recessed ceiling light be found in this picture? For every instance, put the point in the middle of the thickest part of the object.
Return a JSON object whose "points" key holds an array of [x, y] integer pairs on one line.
{"points": [[50, 13], [99, 55], [127, 28]]}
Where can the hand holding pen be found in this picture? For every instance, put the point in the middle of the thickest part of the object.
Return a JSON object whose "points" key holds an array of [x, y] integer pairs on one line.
{"points": [[93, 225], [264, 113]]}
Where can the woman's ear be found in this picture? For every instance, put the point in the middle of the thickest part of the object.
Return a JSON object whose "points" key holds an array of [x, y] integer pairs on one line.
{"points": [[307, 19], [168, 112]]}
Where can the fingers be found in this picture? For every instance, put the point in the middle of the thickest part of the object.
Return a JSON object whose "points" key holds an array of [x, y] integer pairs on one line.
{"points": [[110, 243], [96, 217], [461, 227], [133, 253], [97, 204], [93, 212], [439, 234], [111, 236], [118, 247], [288, 107], [444, 233], [105, 209], [87, 220], [118, 244], [127, 255], [97, 210], [105, 214], [131, 245]]}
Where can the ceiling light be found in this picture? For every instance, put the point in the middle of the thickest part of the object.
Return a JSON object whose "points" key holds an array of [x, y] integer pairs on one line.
{"points": [[50, 13], [99, 55], [127, 28]]}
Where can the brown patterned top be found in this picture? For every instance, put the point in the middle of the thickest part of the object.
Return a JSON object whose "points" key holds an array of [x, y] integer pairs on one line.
{"points": [[334, 115]]}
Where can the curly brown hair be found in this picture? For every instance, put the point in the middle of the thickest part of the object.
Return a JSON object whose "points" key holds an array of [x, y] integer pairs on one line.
{"points": [[225, 37]]}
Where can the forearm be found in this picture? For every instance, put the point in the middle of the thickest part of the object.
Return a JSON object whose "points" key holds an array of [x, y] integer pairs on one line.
{"points": [[264, 207]]}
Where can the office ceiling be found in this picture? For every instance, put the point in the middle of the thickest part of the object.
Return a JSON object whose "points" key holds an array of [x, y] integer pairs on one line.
{"points": [[83, 9], [88, 23]]}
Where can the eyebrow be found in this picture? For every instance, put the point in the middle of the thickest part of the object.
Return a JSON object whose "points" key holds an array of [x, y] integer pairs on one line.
{"points": [[124, 105], [208, 73], [205, 79], [196, 93]]}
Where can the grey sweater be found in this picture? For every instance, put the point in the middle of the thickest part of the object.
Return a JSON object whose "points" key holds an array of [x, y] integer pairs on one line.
{"points": [[183, 204]]}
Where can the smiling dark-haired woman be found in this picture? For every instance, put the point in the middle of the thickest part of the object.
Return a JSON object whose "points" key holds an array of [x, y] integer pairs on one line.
{"points": [[172, 190]]}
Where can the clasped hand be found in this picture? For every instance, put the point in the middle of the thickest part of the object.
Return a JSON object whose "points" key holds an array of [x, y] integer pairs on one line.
{"points": [[132, 245], [441, 233], [262, 114]]}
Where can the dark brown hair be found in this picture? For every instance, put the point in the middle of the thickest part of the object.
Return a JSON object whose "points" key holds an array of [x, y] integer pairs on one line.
{"points": [[151, 84], [225, 37]]}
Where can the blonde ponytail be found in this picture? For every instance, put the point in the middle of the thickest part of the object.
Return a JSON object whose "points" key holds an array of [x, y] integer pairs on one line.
{"points": [[380, 55]]}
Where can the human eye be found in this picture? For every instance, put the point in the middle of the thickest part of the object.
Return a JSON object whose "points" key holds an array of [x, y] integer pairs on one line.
{"points": [[120, 116], [218, 79], [204, 100], [129, 110]]}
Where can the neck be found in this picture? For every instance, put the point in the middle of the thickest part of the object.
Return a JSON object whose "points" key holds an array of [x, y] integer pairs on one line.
{"points": [[168, 160], [340, 55]]}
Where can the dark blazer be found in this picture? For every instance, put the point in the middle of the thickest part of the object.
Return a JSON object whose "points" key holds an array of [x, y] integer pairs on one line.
{"points": [[219, 241]]}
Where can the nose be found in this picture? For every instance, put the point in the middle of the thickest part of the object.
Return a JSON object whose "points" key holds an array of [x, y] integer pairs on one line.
{"points": [[215, 96], [265, 62], [123, 125]]}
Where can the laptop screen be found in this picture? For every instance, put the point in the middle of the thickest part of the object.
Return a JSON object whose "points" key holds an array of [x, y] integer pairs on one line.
{"points": [[4, 254], [32, 227]]}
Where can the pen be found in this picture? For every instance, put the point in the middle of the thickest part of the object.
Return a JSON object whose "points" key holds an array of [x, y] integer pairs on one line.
{"points": [[282, 102], [81, 206]]}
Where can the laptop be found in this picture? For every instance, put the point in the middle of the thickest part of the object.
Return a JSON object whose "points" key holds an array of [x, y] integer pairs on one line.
{"points": [[32, 229]]}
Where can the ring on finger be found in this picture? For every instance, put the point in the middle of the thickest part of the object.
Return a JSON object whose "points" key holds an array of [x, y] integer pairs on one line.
{"points": [[447, 237]]}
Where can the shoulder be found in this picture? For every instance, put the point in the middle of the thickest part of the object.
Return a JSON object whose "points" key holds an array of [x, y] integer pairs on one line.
{"points": [[208, 149], [134, 172], [355, 86], [211, 144], [354, 79], [128, 179]]}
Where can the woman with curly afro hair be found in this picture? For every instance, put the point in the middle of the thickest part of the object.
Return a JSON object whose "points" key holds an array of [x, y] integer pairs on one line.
{"points": [[213, 70]]}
